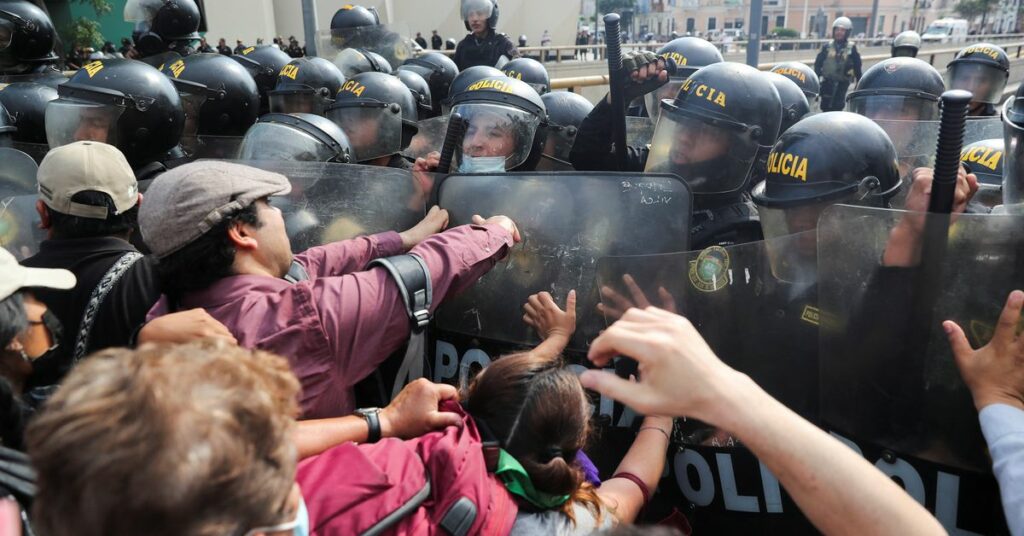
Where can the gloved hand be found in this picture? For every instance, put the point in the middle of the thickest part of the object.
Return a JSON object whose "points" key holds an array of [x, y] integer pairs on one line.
{"points": [[647, 72]]}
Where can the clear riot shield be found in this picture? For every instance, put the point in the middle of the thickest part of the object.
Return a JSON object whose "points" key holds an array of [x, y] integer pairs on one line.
{"points": [[758, 323], [35, 150], [916, 141], [889, 383], [429, 137], [384, 39], [331, 202], [19, 224], [568, 221], [214, 147], [18, 172], [639, 131]]}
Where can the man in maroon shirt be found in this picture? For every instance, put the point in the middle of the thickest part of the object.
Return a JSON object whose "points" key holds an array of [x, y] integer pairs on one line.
{"points": [[222, 247]]}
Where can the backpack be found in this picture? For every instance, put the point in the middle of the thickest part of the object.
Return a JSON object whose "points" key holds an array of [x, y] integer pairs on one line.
{"points": [[437, 484]]}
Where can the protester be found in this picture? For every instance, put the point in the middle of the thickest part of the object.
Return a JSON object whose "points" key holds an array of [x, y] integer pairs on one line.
{"points": [[995, 375], [838, 490], [222, 246]]}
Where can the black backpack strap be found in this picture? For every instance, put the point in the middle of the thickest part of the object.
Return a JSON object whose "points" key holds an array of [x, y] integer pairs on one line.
{"points": [[413, 279], [296, 273]]}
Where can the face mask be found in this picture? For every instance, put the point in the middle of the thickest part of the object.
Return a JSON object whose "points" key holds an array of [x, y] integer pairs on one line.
{"points": [[302, 529], [482, 164]]}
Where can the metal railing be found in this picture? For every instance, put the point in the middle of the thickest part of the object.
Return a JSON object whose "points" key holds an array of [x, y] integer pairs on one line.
{"points": [[1015, 51]]}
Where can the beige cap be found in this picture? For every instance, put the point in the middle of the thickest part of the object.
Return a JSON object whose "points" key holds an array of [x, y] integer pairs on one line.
{"points": [[17, 277], [86, 166], [187, 201]]}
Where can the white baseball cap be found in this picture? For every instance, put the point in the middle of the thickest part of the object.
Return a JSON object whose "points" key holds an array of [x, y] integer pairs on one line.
{"points": [[17, 277], [86, 166]]}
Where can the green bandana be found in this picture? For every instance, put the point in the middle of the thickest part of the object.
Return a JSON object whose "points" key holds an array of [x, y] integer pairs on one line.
{"points": [[517, 482]]}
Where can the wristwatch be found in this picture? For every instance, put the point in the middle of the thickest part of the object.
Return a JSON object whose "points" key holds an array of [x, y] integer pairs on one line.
{"points": [[372, 416]]}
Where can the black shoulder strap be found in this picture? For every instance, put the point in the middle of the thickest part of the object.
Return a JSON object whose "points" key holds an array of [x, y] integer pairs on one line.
{"points": [[412, 276]]}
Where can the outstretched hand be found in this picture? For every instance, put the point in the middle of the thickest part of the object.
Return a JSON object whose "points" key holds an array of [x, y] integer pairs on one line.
{"points": [[544, 315], [615, 305], [415, 412], [434, 222], [995, 372]]}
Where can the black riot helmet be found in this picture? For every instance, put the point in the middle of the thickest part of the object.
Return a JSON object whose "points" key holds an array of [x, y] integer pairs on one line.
{"points": [[298, 137], [162, 25], [487, 9], [352, 61], [263, 62], [420, 91], [467, 78], [898, 89], [985, 159], [1013, 143], [717, 132], [804, 76], [125, 103], [906, 44], [794, 103], [27, 37], [506, 126], [828, 158], [26, 104], [306, 85], [982, 69], [566, 112], [450, 43], [439, 71], [530, 71], [350, 16], [219, 95], [689, 54], [377, 112]]}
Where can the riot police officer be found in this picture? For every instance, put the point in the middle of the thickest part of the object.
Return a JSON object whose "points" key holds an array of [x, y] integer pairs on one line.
{"points": [[837, 65], [164, 26], [483, 45], [985, 160], [295, 137], [306, 85], [263, 62], [804, 76], [689, 54], [506, 126], [530, 71], [982, 69], [420, 91], [26, 103], [125, 103], [378, 114], [906, 89], [906, 44], [355, 26], [439, 71], [566, 112], [352, 61], [794, 103], [464, 79], [27, 38], [715, 135], [220, 100]]}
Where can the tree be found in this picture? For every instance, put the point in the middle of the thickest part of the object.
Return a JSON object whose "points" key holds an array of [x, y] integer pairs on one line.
{"points": [[971, 9], [85, 32]]}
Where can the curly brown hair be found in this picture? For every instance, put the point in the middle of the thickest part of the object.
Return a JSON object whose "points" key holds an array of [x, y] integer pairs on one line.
{"points": [[191, 439]]}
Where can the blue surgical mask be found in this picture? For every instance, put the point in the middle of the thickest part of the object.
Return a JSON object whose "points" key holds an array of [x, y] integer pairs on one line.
{"points": [[299, 526], [482, 164]]}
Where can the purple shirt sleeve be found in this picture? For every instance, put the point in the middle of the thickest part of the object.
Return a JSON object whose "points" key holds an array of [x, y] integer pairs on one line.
{"points": [[363, 315], [348, 256]]}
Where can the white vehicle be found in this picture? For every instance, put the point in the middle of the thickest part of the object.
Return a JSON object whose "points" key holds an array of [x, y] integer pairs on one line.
{"points": [[946, 31]]}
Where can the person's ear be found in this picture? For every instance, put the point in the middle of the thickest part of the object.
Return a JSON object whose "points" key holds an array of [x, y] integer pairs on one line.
{"points": [[139, 202], [44, 214], [242, 237]]}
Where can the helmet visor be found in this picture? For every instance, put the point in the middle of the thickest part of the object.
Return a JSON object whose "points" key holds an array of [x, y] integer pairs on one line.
{"points": [[68, 121], [985, 82], [141, 10], [352, 62], [497, 138], [477, 8], [193, 104], [296, 102], [1013, 160], [374, 130], [274, 141], [559, 142], [711, 158], [6, 33], [791, 239], [653, 99], [895, 107]]}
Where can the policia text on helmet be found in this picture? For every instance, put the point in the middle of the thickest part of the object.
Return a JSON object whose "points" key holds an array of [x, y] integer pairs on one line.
{"points": [[982, 69]]}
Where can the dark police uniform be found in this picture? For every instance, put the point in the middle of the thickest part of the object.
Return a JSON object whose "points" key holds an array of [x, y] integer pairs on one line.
{"points": [[472, 50]]}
